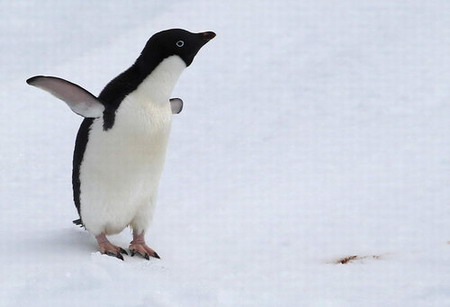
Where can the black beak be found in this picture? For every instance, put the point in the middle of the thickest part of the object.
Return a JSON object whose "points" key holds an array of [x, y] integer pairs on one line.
{"points": [[207, 36]]}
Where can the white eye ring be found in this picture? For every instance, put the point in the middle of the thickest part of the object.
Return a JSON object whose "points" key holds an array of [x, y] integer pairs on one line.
{"points": [[180, 43]]}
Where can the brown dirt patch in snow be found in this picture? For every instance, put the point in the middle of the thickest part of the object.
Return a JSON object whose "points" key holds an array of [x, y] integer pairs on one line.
{"points": [[354, 258]]}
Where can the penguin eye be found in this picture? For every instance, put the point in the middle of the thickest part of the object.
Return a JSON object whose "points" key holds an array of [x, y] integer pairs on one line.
{"points": [[180, 43]]}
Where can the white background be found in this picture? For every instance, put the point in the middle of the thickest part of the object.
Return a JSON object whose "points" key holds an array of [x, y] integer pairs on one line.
{"points": [[312, 130]]}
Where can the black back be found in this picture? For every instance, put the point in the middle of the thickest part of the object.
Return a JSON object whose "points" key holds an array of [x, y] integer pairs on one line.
{"points": [[78, 153]]}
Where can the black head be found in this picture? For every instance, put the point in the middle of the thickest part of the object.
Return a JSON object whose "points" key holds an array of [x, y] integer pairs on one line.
{"points": [[175, 42]]}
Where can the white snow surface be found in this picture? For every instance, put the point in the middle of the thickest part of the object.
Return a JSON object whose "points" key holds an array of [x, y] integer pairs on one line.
{"points": [[312, 130]]}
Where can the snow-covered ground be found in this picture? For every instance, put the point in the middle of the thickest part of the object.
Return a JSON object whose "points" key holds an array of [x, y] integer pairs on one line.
{"points": [[313, 130]]}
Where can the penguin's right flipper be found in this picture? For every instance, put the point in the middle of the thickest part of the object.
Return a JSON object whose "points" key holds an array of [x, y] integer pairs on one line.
{"points": [[176, 104], [77, 98]]}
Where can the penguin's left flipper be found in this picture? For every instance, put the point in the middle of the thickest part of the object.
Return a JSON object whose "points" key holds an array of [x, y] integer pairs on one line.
{"points": [[77, 98], [176, 104], [80, 100]]}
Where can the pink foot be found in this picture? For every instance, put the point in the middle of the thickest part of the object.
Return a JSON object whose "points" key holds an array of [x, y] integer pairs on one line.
{"points": [[108, 248], [138, 246]]}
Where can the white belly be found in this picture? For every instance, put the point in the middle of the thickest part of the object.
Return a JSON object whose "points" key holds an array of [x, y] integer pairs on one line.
{"points": [[122, 166]]}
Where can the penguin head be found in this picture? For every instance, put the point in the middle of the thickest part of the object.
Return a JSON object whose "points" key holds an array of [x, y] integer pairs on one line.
{"points": [[178, 42]]}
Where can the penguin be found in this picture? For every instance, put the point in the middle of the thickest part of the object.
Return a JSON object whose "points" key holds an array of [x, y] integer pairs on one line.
{"points": [[121, 144]]}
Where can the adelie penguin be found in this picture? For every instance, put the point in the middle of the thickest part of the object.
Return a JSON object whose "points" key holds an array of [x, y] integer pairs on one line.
{"points": [[121, 144]]}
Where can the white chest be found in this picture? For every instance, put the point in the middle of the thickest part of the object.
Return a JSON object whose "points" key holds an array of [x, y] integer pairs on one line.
{"points": [[137, 142]]}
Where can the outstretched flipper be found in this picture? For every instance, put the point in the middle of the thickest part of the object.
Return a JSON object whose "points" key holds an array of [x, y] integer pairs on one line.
{"points": [[80, 100], [77, 98]]}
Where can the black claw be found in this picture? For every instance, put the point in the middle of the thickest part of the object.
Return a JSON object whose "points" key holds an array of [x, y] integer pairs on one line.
{"points": [[145, 255], [117, 255], [122, 251]]}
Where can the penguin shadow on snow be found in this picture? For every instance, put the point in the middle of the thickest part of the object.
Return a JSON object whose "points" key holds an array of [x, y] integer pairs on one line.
{"points": [[68, 240], [72, 241]]}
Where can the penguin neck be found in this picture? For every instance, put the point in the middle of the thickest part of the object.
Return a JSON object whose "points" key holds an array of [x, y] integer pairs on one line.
{"points": [[157, 87]]}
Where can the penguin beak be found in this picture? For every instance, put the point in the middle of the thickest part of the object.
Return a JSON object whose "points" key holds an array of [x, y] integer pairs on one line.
{"points": [[198, 41], [207, 36]]}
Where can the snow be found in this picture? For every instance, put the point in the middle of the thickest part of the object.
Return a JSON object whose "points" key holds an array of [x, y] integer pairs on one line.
{"points": [[311, 131]]}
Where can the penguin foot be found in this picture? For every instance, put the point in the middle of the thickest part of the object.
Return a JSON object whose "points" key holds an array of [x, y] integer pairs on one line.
{"points": [[108, 248], [112, 250], [143, 250], [138, 246]]}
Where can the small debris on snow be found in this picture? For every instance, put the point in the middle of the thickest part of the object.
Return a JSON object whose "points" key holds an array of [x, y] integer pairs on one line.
{"points": [[353, 258]]}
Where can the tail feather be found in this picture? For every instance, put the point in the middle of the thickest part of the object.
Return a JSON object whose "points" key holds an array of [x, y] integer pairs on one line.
{"points": [[79, 222]]}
